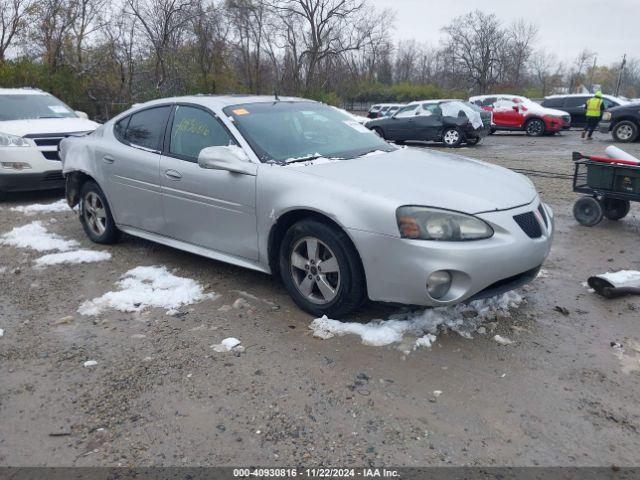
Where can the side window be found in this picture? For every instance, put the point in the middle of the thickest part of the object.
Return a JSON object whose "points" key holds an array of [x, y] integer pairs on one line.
{"points": [[194, 129], [146, 128], [556, 102], [608, 103], [572, 102], [489, 101], [406, 112], [121, 127]]}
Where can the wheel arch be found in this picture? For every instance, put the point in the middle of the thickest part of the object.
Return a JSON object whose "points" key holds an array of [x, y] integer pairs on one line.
{"points": [[73, 185], [288, 218], [625, 118]]}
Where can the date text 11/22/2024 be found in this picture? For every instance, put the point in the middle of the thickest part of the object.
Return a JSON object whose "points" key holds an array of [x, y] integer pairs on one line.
{"points": [[315, 472]]}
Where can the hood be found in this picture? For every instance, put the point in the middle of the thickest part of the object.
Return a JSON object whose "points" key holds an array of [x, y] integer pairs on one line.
{"points": [[635, 105], [47, 125], [434, 179]]}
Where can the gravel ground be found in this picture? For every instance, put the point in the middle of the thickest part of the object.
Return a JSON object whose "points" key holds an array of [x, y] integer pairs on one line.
{"points": [[159, 395]]}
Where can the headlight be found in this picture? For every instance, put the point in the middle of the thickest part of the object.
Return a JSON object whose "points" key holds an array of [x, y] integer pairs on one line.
{"points": [[8, 140], [431, 224], [606, 116]]}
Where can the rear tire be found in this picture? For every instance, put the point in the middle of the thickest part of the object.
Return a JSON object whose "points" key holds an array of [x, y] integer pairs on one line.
{"points": [[615, 209], [625, 131], [588, 211], [301, 269], [535, 127], [95, 215], [452, 137]]}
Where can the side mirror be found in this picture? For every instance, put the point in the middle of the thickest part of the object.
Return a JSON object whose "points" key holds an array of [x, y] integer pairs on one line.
{"points": [[82, 115], [232, 159], [515, 107]]}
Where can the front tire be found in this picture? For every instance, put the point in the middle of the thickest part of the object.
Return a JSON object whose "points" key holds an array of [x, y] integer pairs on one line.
{"points": [[321, 269], [95, 215], [452, 137], [625, 131], [535, 127], [588, 211]]}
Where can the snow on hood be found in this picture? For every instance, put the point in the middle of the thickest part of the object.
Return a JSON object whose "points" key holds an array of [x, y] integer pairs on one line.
{"points": [[47, 125], [419, 177]]}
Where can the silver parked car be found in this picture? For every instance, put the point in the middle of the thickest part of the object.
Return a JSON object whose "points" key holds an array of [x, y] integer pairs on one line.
{"points": [[299, 189]]}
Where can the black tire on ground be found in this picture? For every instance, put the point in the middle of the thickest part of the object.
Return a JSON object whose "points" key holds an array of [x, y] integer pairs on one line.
{"points": [[471, 141], [95, 215], [535, 127], [588, 211], [492, 131], [452, 137], [625, 131], [350, 291], [378, 131], [615, 209]]}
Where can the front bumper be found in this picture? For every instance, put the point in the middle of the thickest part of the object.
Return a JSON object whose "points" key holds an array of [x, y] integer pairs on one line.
{"points": [[43, 175], [397, 269], [604, 126]]}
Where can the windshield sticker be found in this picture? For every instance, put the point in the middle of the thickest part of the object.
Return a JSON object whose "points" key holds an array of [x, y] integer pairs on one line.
{"points": [[58, 109], [240, 111], [358, 127]]}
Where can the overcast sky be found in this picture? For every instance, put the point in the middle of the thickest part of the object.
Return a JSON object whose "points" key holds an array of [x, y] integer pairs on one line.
{"points": [[566, 27]]}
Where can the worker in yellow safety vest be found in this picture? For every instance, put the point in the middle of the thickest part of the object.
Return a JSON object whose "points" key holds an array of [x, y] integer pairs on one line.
{"points": [[595, 107]]}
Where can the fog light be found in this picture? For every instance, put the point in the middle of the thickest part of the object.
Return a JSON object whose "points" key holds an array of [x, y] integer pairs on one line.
{"points": [[15, 165], [438, 284]]}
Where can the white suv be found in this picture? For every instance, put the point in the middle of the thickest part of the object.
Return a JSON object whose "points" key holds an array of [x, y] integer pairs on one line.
{"points": [[32, 123]]}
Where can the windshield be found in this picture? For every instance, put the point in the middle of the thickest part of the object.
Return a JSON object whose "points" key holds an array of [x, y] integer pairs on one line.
{"points": [[290, 131], [29, 106]]}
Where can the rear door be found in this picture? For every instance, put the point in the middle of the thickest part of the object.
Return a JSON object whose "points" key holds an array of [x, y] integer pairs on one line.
{"points": [[214, 209], [577, 108], [428, 122], [131, 168]]}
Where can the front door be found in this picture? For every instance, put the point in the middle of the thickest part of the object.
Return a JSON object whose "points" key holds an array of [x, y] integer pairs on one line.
{"points": [[506, 113], [402, 125], [214, 209], [131, 167]]}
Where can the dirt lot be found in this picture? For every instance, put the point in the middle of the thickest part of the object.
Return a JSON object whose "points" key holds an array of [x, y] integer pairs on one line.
{"points": [[159, 395]]}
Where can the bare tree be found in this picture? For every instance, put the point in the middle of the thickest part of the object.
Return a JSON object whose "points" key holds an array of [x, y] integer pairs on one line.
{"points": [[162, 22], [475, 41], [518, 48], [13, 18], [547, 70]]}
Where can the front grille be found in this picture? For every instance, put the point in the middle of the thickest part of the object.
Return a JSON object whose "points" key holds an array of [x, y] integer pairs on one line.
{"points": [[48, 142], [529, 224], [51, 155], [53, 176], [543, 215]]}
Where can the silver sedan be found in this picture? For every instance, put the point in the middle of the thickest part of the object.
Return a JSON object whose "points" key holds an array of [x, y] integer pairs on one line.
{"points": [[301, 190]]}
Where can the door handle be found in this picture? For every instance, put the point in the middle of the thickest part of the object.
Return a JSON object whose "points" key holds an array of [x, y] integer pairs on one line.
{"points": [[173, 175], [108, 159]]}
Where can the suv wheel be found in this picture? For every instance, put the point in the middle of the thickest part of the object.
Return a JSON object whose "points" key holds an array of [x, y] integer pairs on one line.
{"points": [[321, 270], [452, 137], [535, 127], [625, 131], [95, 215]]}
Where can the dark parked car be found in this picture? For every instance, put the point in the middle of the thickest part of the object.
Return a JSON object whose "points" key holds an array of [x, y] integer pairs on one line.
{"points": [[623, 122], [575, 105], [452, 122]]}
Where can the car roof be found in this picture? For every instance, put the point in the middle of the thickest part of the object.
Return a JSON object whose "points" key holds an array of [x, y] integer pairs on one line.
{"points": [[505, 95], [221, 101], [605, 95], [22, 91], [439, 100]]}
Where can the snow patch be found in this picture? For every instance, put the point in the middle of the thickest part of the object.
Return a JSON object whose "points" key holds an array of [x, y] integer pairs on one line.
{"points": [[35, 236], [621, 277], [74, 256], [147, 287], [424, 324], [226, 345], [90, 363], [59, 206]]}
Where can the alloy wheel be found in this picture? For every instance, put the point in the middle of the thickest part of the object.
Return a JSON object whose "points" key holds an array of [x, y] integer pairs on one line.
{"points": [[535, 128], [451, 137], [624, 132], [315, 270], [95, 214]]}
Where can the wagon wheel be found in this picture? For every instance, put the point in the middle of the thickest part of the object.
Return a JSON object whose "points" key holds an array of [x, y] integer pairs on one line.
{"points": [[588, 211], [615, 209]]}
